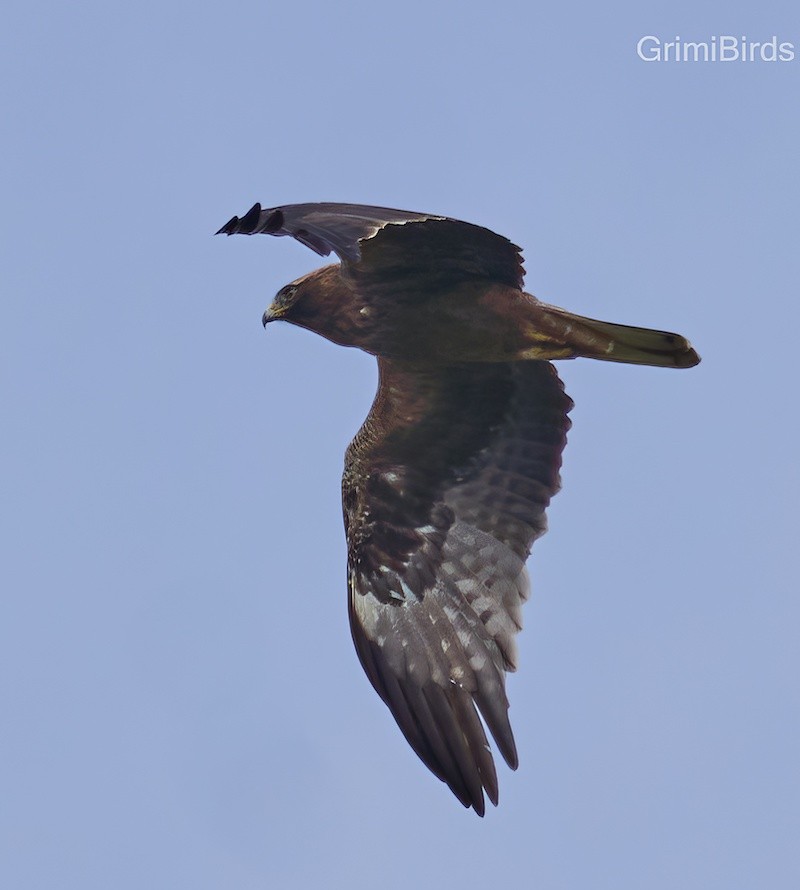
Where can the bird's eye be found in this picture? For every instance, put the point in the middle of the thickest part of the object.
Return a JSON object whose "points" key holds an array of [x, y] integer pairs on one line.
{"points": [[285, 295]]}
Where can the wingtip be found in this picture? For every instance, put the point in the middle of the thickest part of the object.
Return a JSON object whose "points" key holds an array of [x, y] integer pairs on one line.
{"points": [[245, 224], [249, 221], [229, 228], [469, 801], [510, 755]]}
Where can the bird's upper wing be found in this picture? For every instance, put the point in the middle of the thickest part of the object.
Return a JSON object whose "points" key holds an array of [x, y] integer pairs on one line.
{"points": [[380, 245], [444, 491]]}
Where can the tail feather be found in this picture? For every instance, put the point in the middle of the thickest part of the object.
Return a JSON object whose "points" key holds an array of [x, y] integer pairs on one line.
{"points": [[590, 338]]}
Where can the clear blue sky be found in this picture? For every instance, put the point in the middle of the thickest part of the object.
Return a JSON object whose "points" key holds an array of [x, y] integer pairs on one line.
{"points": [[181, 703]]}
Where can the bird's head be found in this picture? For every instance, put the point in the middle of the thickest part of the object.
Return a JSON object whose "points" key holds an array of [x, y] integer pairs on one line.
{"points": [[292, 301], [321, 302]]}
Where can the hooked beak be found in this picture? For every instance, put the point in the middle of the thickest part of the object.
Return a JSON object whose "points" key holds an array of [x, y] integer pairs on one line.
{"points": [[268, 316]]}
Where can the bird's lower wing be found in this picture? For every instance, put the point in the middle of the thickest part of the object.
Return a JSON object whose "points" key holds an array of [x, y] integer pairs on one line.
{"points": [[445, 490]]}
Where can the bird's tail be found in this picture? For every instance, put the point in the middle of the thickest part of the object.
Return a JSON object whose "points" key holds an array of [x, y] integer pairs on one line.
{"points": [[586, 337]]}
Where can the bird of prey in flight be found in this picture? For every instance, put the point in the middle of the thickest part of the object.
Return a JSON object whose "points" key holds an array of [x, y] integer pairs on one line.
{"points": [[446, 484]]}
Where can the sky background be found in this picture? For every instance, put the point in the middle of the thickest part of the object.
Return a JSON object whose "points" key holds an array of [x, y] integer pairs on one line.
{"points": [[181, 703]]}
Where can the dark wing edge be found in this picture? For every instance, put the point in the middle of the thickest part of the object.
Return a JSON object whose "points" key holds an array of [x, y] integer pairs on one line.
{"points": [[324, 227], [437, 650]]}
